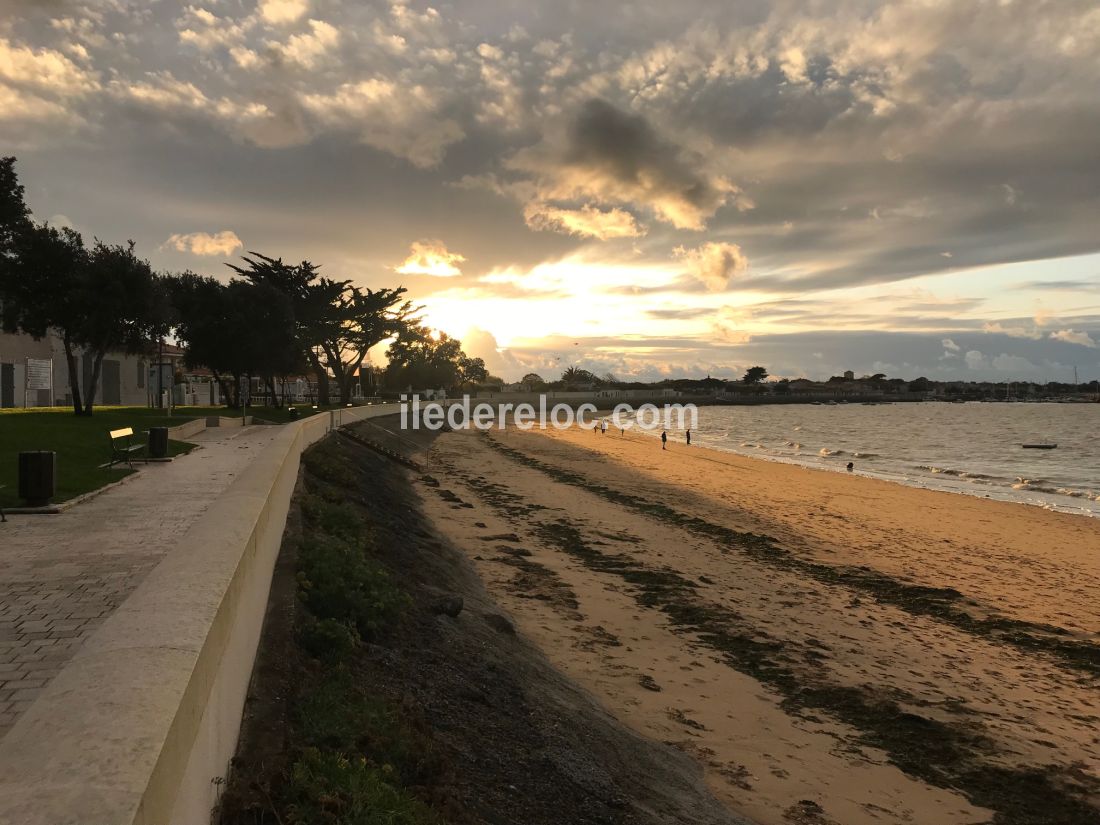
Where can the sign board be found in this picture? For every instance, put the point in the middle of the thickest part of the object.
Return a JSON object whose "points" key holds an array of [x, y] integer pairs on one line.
{"points": [[39, 374]]}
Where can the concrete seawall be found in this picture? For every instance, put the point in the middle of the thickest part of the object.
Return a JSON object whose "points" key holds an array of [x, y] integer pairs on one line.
{"points": [[143, 721]]}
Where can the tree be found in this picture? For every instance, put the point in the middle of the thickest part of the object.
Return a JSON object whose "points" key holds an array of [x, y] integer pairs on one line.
{"points": [[420, 357], [363, 318], [124, 308], [101, 300], [532, 381], [15, 217], [575, 375], [335, 323], [754, 375], [471, 370], [39, 285], [235, 330]]}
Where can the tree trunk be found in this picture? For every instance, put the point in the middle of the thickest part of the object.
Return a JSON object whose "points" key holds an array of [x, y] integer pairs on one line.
{"points": [[89, 391], [275, 402], [343, 378], [223, 387], [74, 377]]}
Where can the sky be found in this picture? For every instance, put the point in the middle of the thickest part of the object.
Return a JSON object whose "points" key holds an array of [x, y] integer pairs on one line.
{"points": [[644, 188]]}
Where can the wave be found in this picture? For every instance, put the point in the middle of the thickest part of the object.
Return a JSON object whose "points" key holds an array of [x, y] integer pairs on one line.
{"points": [[825, 451]]}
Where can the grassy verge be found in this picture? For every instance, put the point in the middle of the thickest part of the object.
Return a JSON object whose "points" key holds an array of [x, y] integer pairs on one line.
{"points": [[351, 758], [80, 443]]}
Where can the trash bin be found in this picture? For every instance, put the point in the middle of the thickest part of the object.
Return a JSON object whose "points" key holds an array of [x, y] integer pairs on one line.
{"points": [[292, 412], [158, 442], [37, 477]]}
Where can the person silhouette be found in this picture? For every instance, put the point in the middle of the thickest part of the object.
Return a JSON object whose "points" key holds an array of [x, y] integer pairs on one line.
{"points": [[664, 439], [851, 466], [689, 437]]}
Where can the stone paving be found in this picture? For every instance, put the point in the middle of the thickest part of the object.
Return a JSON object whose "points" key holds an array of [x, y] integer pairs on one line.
{"points": [[62, 575]]}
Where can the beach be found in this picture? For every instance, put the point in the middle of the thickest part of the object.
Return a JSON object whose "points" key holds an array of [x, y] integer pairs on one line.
{"points": [[829, 648]]}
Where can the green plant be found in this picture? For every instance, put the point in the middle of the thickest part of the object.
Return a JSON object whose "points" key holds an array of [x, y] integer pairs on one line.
{"points": [[334, 712], [337, 581], [336, 519], [332, 788], [328, 639]]}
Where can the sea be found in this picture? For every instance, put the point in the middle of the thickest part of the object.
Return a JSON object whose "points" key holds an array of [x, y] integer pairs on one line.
{"points": [[972, 448]]}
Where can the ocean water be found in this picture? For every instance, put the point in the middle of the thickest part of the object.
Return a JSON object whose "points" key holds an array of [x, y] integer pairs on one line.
{"points": [[971, 448]]}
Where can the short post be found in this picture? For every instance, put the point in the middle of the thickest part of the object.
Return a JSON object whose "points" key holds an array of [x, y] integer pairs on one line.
{"points": [[37, 477]]}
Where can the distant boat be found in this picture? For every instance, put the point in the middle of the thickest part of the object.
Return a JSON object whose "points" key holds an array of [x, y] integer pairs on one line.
{"points": [[1038, 446]]}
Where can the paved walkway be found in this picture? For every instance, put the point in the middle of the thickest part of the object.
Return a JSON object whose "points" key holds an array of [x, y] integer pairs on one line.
{"points": [[62, 575]]}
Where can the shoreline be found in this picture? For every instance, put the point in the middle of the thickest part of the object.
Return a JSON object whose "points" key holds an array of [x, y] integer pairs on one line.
{"points": [[1050, 501], [869, 651]]}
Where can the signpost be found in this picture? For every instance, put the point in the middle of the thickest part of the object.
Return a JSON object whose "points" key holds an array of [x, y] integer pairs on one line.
{"points": [[39, 377]]}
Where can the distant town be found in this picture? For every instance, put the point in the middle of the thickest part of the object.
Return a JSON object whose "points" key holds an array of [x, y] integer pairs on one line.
{"points": [[757, 387]]}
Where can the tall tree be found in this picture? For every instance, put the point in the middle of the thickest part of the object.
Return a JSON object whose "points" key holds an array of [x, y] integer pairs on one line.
{"points": [[235, 330], [41, 289], [124, 308], [422, 358], [754, 375], [471, 370], [313, 301], [14, 214], [336, 323], [362, 318]]}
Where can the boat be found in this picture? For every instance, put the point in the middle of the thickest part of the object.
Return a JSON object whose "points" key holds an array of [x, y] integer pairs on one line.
{"points": [[1038, 446]]}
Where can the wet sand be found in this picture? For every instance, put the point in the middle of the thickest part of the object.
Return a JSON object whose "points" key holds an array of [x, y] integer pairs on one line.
{"points": [[830, 648]]}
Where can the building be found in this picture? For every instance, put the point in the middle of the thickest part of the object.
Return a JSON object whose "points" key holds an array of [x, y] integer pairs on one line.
{"points": [[36, 374]]}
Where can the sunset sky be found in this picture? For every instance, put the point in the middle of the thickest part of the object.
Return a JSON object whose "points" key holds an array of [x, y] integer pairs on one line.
{"points": [[654, 189]]}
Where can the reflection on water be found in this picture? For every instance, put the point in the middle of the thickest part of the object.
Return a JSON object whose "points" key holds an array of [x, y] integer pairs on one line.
{"points": [[972, 448]]}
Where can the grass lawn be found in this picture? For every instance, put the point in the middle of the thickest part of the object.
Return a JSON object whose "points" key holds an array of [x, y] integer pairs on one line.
{"points": [[80, 443]]}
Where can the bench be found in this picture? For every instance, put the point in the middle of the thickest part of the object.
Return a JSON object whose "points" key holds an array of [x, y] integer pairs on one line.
{"points": [[122, 449]]}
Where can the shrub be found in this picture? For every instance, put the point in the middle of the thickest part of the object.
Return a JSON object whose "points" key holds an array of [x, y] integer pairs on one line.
{"points": [[336, 713], [326, 462], [336, 519], [331, 788], [338, 582], [329, 640]]}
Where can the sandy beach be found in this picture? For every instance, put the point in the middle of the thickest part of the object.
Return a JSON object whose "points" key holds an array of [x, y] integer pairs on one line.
{"points": [[829, 648]]}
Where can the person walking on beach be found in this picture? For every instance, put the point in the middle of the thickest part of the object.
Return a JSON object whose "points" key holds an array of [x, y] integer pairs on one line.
{"points": [[664, 439], [603, 428], [689, 437]]}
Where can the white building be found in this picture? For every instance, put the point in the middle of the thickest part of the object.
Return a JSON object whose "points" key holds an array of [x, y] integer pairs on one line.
{"points": [[35, 374]]}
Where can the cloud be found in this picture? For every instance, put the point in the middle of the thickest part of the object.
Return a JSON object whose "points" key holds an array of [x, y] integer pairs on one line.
{"points": [[283, 11], [714, 264], [1032, 333], [948, 344], [225, 242], [206, 31], [44, 70], [403, 120], [975, 360], [611, 157], [1071, 336], [427, 257], [307, 49], [587, 221]]}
